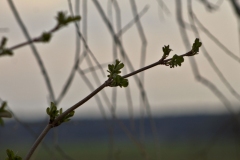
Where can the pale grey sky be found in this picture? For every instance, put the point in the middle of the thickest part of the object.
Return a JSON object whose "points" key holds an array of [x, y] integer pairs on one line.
{"points": [[170, 91]]}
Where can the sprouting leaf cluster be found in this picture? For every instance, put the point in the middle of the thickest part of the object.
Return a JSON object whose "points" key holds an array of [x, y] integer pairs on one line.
{"points": [[114, 70], [4, 113], [166, 51], [196, 45], [12, 156], [53, 113], [64, 20], [3, 49], [176, 61], [45, 37]]}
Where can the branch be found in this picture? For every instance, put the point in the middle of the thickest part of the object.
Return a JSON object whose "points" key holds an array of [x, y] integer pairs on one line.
{"points": [[38, 141], [160, 62], [62, 20], [109, 82], [51, 125]]}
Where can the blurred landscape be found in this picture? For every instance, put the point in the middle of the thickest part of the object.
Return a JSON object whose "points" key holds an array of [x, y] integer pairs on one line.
{"points": [[183, 113], [178, 137]]}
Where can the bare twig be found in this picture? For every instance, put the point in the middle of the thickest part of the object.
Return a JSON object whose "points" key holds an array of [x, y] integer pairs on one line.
{"points": [[77, 58], [209, 58], [133, 21], [38, 141], [113, 103], [163, 7], [34, 50], [49, 126], [123, 53], [217, 42], [142, 62], [75, 106], [27, 127], [210, 6], [213, 88]]}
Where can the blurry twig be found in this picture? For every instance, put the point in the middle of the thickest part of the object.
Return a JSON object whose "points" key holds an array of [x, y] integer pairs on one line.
{"points": [[90, 69], [125, 57], [210, 6], [65, 88], [28, 128], [132, 22], [236, 7], [113, 103], [78, 59], [217, 42], [209, 58], [121, 31], [97, 98], [62, 20], [85, 43], [163, 7], [142, 62], [142, 150], [34, 50], [222, 78], [211, 86], [107, 83]]}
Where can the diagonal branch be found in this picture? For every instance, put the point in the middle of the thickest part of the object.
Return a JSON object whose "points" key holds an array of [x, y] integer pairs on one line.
{"points": [[96, 91]]}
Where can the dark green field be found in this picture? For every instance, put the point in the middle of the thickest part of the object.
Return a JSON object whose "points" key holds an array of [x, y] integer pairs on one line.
{"points": [[203, 137], [128, 151]]}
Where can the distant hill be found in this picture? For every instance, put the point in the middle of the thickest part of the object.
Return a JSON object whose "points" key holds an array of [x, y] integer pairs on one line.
{"points": [[172, 128]]}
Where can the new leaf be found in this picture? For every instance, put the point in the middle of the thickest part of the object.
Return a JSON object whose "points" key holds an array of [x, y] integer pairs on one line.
{"points": [[196, 45], [114, 70], [176, 61]]}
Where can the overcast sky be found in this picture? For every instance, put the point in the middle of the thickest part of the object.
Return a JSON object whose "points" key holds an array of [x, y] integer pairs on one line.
{"points": [[169, 91]]}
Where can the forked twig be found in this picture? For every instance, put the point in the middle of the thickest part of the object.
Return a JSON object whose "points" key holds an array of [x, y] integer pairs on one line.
{"points": [[107, 83]]}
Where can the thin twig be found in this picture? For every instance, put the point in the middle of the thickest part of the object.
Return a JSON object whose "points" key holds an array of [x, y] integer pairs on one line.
{"points": [[208, 83], [133, 21], [85, 43], [75, 106], [113, 103], [115, 55], [142, 62], [93, 68], [211, 86], [29, 41], [209, 58], [215, 40], [27, 127], [49, 126], [123, 53], [77, 58], [34, 50], [38, 141]]}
